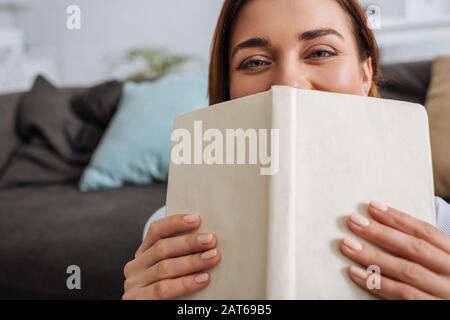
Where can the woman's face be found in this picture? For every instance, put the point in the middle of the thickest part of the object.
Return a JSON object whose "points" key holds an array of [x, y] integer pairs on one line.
{"points": [[307, 44]]}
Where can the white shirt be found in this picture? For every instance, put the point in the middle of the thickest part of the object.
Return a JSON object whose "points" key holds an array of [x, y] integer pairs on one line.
{"points": [[442, 216]]}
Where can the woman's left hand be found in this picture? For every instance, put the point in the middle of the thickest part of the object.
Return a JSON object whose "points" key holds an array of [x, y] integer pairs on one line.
{"points": [[413, 256]]}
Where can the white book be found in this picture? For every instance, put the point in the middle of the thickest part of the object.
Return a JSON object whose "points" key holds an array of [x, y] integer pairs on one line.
{"points": [[279, 233]]}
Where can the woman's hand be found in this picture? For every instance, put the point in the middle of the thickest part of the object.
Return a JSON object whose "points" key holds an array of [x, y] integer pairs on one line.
{"points": [[414, 262], [168, 265]]}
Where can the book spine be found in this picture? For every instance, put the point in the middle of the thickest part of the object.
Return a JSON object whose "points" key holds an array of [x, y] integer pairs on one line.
{"points": [[281, 255], [431, 183]]}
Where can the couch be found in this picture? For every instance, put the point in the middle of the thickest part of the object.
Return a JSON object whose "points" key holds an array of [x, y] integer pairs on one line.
{"points": [[46, 228]]}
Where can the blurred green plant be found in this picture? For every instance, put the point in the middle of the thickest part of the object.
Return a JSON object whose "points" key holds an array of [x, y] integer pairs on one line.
{"points": [[157, 62]]}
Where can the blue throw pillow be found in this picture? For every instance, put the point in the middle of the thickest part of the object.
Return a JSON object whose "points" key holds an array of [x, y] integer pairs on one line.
{"points": [[135, 148]]}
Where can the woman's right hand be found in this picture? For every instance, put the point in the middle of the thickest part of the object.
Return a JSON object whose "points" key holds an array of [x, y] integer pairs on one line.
{"points": [[169, 265]]}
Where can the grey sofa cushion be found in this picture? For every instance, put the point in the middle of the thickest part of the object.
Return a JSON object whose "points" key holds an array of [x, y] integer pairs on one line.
{"points": [[55, 142]]}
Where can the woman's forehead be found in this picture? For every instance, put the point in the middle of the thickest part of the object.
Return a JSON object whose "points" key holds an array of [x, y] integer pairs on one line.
{"points": [[288, 18]]}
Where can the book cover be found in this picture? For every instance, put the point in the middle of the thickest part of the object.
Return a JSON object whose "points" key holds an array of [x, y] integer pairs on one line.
{"points": [[275, 175]]}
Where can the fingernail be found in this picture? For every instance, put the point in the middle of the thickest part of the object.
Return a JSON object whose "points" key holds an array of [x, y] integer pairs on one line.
{"points": [[379, 206], [205, 238], [352, 244], [191, 218], [209, 254], [201, 278], [358, 272], [359, 220]]}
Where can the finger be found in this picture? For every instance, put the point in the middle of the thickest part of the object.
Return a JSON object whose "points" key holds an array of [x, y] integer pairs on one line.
{"points": [[175, 267], [170, 288], [388, 288], [168, 226], [176, 246], [410, 225], [400, 244], [396, 268]]}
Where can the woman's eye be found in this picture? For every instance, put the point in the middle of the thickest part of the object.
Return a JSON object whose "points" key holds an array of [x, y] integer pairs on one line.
{"points": [[319, 54], [252, 64]]}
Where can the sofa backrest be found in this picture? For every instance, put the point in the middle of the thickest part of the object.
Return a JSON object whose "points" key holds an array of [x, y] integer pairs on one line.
{"points": [[406, 81], [8, 138]]}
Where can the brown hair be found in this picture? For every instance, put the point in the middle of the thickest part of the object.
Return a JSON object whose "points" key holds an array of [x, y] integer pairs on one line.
{"points": [[219, 86]]}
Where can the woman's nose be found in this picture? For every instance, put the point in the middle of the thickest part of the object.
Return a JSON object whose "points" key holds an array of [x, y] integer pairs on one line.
{"points": [[293, 78]]}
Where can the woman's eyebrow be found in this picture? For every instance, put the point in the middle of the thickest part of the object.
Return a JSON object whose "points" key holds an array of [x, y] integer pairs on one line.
{"points": [[313, 34], [259, 42], [251, 43]]}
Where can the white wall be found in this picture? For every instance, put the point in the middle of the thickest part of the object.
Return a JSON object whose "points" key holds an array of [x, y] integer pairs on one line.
{"points": [[413, 35], [110, 27]]}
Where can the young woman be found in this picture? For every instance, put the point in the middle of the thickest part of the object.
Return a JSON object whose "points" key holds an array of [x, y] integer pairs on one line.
{"points": [[309, 44]]}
